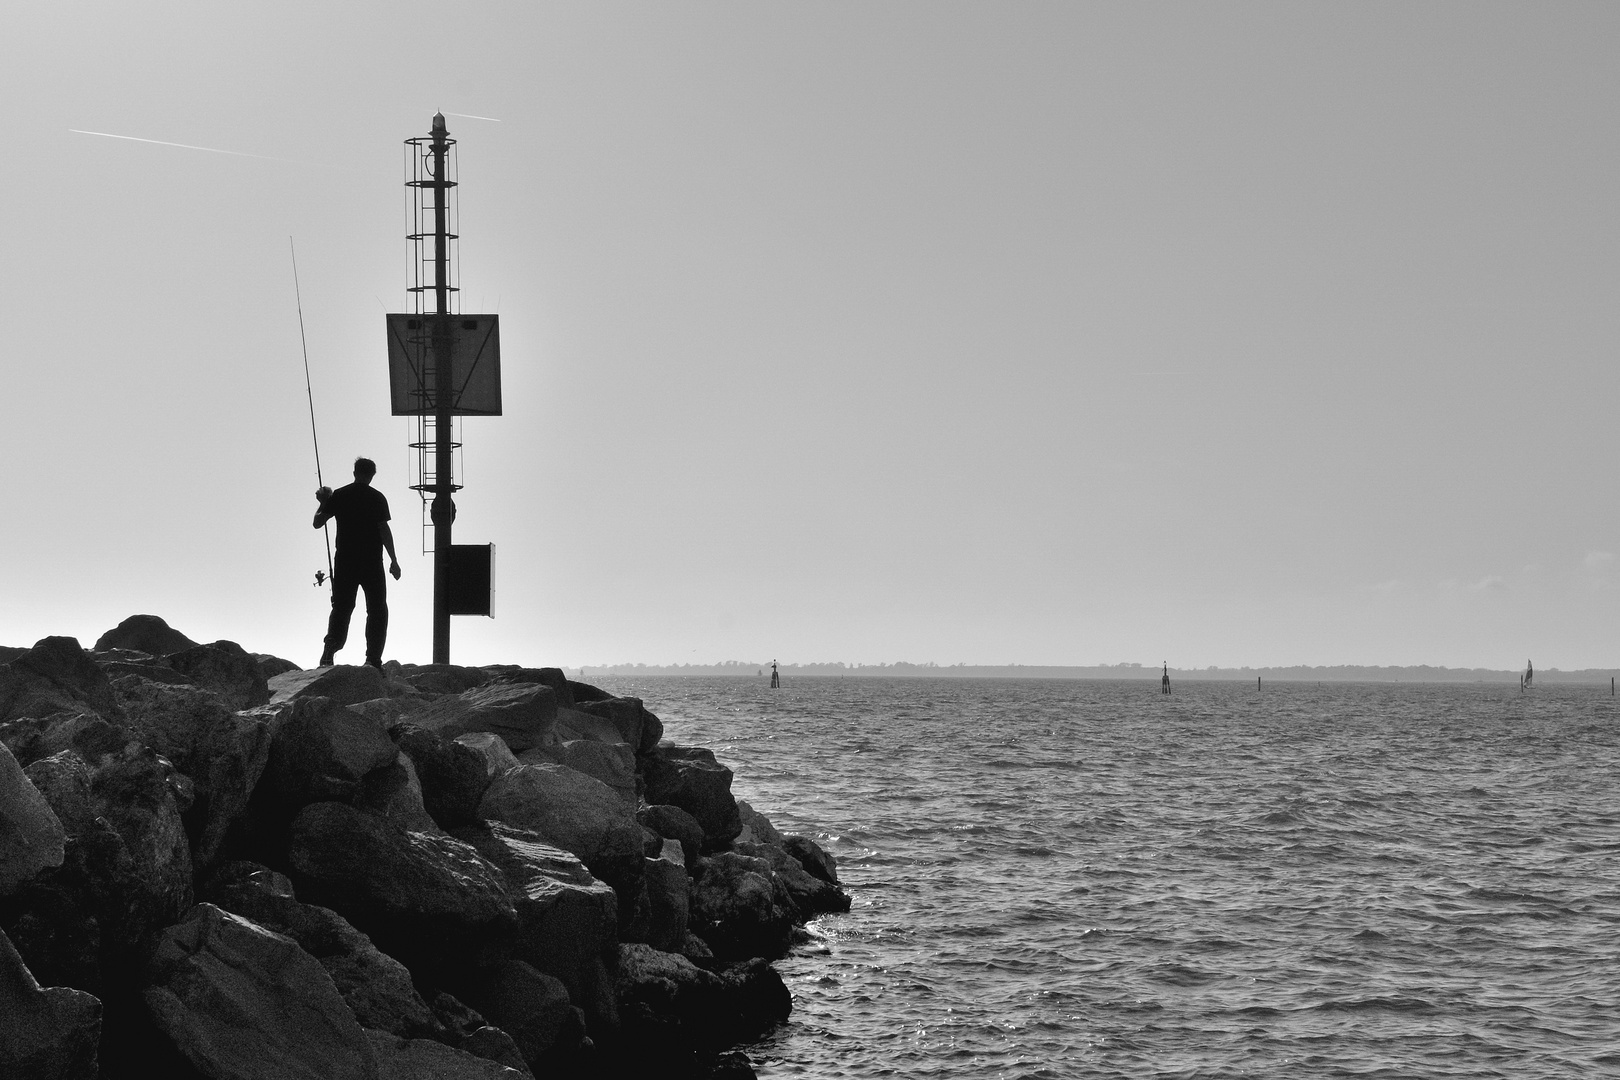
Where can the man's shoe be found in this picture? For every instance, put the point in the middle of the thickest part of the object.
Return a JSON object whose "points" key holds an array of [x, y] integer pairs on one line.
{"points": [[326, 660], [374, 663]]}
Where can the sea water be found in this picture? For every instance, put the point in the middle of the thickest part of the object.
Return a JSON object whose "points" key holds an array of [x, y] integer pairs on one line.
{"points": [[1089, 879]]}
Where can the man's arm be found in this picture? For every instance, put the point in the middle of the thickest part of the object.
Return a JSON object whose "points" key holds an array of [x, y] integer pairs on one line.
{"points": [[387, 535], [323, 515]]}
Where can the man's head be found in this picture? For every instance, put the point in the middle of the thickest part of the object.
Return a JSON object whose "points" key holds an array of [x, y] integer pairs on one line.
{"points": [[364, 470]]}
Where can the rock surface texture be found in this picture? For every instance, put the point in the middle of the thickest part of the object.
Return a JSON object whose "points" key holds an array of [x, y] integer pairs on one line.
{"points": [[215, 864]]}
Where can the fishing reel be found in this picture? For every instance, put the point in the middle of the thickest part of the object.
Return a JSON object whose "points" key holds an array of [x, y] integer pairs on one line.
{"points": [[320, 578]]}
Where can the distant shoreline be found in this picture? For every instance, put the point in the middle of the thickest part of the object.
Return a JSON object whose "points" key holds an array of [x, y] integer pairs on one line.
{"points": [[1342, 673]]}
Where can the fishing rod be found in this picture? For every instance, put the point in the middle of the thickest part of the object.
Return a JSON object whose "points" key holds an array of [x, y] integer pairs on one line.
{"points": [[310, 392]]}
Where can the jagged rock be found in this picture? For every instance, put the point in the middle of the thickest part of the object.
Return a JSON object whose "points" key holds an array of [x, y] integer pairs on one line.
{"points": [[227, 669], [147, 634], [497, 756], [376, 987], [469, 1031], [673, 823], [428, 899], [696, 950], [668, 899], [395, 792], [45, 1034], [424, 1059], [732, 1065], [224, 753], [756, 827], [54, 676], [344, 684], [443, 678], [127, 858], [816, 862], [116, 663], [33, 737], [271, 666], [691, 778], [742, 908], [243, 1003], [567, 919], [635, 725], [32, 840], [523, 715], [702, 1009], [322, 752], [550, 676], [611, 763], [573, 811], [533, 1008], [811, 896], [387, 712], [580, 691], [453, 775]]}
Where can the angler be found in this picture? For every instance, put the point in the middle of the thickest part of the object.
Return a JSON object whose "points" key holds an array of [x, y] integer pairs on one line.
{"points": [[362, 536]]}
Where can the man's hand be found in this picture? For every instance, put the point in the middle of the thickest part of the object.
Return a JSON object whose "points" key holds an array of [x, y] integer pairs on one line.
{"points": [[393, 568], [323, 494]]}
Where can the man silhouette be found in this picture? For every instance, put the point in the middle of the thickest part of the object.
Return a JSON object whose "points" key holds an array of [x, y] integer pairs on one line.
{"points": [[362, 536]]}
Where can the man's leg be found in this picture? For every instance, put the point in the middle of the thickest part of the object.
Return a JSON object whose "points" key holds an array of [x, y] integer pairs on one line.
{"points": [[376, 586], [344, 585]]}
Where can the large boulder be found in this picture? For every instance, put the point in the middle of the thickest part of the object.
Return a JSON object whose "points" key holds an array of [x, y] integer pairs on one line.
{"points": [[691, 778], [45, 1034], [550, 676], [376, 987], [742, 908], [636, 726], [243, 1003], [534, 1009], [344, 684], [567, 919], [442, 678], [147, 634], [522, 714], [127, 858], [673, 823], [612, 763], [453, 775], [322, 752], [811, 895], [116, 663], [424, 1059], [32, 840], [271, 666], [227, 669], [668, 894], [575, 812], [469, 1031], [55, 675], [426, 898], [223, 752], [668, 999], [491, 750], [816, 861]]}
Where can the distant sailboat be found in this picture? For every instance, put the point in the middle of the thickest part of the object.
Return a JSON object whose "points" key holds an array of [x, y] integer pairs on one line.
{"points": [[1528, 678]]}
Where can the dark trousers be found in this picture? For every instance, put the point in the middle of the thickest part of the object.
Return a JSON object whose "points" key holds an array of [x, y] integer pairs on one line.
{"points": [[346, 582]]}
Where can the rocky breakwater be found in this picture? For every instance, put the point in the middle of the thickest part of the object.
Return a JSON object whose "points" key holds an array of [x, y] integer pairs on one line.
{"points": [[215, 864]]}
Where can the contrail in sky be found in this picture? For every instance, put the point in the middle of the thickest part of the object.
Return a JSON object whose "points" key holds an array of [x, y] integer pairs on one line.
{"points": [[183, 146], [470, 116]]}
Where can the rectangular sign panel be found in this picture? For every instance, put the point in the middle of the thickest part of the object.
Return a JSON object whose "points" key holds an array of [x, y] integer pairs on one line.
{"points": [[474, 371]]}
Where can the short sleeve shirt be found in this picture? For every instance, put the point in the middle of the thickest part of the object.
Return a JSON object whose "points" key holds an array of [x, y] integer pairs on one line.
{"points": [[358, 509]]}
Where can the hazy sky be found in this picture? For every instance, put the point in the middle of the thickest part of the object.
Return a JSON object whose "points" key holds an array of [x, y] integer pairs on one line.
{"points": [[1021, 332]]}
